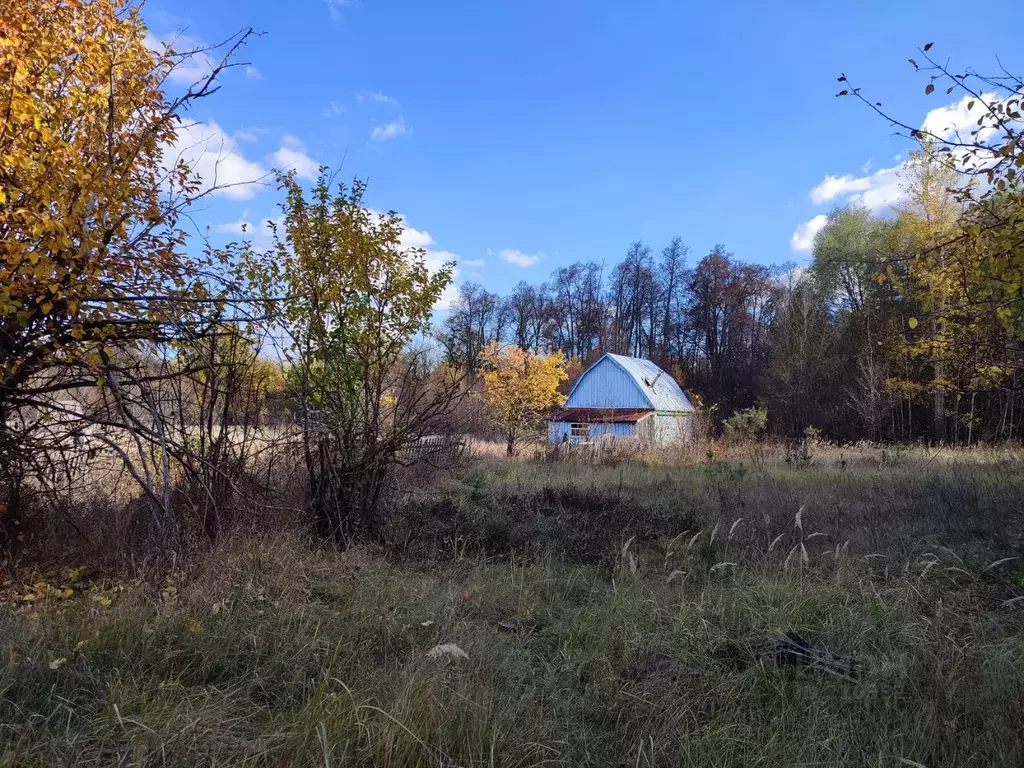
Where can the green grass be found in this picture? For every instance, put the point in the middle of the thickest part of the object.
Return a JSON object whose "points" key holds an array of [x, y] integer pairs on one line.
{"points": [[269, 652]]}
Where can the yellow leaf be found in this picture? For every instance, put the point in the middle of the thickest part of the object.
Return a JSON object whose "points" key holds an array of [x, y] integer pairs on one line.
{"points": [[912, 322]]}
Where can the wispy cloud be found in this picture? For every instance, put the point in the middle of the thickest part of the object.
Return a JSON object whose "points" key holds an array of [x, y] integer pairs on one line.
{"points": [[390, 130], [192, 62], [375, 97], [334, 8], [472, 262], [517, 257], [332, 110], [240, 227], [245, 134], [191, 56]]}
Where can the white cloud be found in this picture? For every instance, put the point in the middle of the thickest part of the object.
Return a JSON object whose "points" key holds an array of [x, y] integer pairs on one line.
{"points": [[333, 110], [215, 157], [472, 262], [802, 240], [835, 186], [389, 130], [291, 156], [375, 97], [251, 71], [334, 8], [520, 259], [434, 259], [415, 238], [192, 62], [259, 234], [946, 122], [873, 191], [796, 276], [236, 227], [882, 188]]}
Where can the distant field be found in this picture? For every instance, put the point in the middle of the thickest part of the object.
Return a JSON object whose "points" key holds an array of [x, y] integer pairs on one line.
{"points": [[615, 613]]}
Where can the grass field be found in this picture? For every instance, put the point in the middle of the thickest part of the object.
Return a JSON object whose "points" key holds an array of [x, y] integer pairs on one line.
{"points": [[620, 615]]}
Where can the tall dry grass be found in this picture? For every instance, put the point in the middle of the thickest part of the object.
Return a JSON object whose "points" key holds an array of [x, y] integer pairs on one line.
{"points": [[627, 613], [270, 653]]}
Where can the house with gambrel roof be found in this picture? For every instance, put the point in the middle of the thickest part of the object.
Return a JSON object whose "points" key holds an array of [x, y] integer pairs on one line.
{"points": [[622, 396]]}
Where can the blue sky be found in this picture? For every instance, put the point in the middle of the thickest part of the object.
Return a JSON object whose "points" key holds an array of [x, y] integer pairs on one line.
{"points": [[516, 137]]}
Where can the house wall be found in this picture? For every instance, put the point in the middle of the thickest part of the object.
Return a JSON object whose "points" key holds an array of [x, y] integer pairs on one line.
{"points": [[559, 431], [606, 385], [671, 428]]}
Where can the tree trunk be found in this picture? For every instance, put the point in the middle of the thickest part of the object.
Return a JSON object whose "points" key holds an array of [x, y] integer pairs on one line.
{"points": [[939, 416], [11, 533]]}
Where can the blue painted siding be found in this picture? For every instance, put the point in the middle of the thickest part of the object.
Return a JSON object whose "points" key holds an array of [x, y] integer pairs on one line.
{"points": [[559, 430], [658, 429], [660, 389], [606, 385], [621, 382]]}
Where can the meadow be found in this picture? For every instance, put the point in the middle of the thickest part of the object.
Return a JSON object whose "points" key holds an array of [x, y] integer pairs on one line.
{"points": [[853, 606]]}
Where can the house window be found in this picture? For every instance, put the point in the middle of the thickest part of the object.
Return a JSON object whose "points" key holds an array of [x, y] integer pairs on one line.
{"points": [[581, 431]]}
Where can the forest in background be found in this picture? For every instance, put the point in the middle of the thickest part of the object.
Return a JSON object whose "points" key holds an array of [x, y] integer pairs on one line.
{"points": [[897, 330]]}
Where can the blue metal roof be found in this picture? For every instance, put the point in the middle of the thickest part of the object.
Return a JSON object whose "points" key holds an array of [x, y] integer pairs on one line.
{"points": [[644, 384]]}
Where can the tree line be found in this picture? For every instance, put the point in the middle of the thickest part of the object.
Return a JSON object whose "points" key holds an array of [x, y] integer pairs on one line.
{"points": [[897, 330]]}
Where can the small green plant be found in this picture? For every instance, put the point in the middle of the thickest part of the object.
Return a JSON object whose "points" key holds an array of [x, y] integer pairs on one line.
{"points": [[477, 483], [748, 424], [800, 455]]}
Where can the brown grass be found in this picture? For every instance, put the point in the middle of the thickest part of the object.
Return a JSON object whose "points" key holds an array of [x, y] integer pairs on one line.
{"points": [[618, 614]]}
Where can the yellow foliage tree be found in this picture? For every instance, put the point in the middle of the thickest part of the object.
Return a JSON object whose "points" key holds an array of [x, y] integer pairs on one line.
{"points": [[519, 386], [937, 272], [573, 370], [85, 123], [356, 299], [91, 248]]}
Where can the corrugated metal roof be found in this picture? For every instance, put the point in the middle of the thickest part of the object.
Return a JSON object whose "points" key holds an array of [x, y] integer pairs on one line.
{"points": [[601, 415], [658, 387]]}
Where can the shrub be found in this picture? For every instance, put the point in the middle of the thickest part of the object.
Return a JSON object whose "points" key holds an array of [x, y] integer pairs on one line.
{"points": [[747, 424]]}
